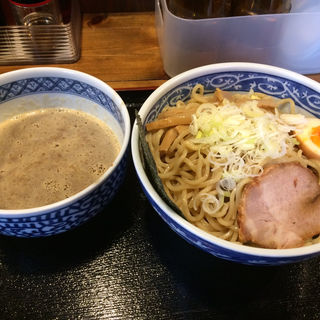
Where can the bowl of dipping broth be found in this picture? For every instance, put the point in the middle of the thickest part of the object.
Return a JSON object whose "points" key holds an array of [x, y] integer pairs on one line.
{"points": [[229, 156], [63, 136]]}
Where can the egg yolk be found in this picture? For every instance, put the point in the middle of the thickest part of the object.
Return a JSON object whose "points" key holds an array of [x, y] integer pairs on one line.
{"points": [[315, 136]]}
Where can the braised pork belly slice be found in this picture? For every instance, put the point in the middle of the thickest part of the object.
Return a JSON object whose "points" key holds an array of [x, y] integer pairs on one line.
{"points": [[280, 208]]}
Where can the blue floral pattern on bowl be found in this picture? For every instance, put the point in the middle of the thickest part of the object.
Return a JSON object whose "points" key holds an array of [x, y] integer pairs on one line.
{"points": [[303, 96], [55, 220], [55, 85], [52, 222]]}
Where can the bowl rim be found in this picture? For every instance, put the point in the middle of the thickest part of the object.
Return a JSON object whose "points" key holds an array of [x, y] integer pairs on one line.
{"points": [[33, 72], [180, 79]]}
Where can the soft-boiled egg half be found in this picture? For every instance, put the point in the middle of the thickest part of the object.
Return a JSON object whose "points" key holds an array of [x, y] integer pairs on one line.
{"points": [[309, 138]]}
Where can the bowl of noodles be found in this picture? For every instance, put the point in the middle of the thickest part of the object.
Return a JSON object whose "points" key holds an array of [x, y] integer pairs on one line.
{"points": [[227, 154]]}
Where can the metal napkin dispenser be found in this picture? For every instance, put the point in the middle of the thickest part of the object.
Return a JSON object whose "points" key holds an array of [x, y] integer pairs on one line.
{"points": [[42, 43]]}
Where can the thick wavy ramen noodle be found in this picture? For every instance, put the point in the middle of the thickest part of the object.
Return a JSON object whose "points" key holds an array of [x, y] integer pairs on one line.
{"points": [[207, 149]]}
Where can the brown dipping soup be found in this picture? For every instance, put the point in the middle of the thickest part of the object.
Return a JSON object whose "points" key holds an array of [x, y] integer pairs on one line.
{"points": [[50, 154]]}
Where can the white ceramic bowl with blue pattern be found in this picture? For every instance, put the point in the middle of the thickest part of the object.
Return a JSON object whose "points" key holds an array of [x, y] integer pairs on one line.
{"points": [[34, 88], [233, 77]]}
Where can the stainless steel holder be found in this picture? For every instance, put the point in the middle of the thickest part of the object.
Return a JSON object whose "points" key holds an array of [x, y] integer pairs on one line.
{"points": [[42, 44]]}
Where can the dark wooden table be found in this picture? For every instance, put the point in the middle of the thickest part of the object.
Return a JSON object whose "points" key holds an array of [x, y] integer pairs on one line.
{"points": [[126, 263]]}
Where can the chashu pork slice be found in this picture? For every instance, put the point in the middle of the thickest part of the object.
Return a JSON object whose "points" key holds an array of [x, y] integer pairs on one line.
{"points": [[281, 207]]}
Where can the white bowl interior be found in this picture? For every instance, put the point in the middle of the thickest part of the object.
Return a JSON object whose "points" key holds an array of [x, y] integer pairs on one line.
{"points": [[32, 102]]}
